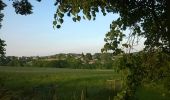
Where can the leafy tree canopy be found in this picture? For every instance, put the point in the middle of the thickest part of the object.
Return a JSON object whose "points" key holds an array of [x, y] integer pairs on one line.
{"points": [[2, 51], [146, 18], [2, 42]]}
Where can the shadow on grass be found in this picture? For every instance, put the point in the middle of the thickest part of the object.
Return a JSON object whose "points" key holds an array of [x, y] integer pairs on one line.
{"points": [[70, 90]]}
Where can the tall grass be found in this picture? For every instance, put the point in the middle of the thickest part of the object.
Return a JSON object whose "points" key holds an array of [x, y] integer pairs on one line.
{"points": [[26, 83], [54, 84]]}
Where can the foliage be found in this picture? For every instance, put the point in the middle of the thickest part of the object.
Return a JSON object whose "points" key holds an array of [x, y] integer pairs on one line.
{"points": [[14, 61], [75, 61], [144, 18], [88, 56], [2, 51], [150, 20], [2, 5], [2, 42], [22, 7], [144, 68]]}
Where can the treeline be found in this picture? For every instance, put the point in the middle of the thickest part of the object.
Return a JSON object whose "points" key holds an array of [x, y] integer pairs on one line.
{"points": [[76, 61]]}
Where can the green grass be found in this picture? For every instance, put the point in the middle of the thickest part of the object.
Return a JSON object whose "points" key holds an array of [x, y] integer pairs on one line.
{"points": [[28, 83], [150, 92], [51, 83]]}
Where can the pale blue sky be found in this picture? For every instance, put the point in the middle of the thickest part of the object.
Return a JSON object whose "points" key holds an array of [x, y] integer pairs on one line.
{"points": [[34, 35]]}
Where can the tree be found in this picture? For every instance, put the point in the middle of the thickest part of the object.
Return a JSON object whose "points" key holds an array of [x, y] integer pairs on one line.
{"points": [[2, 42], [2, 51], [150, 20], [22, 7], [144, 18], [97, 56], [88, 56], [2, 5]]}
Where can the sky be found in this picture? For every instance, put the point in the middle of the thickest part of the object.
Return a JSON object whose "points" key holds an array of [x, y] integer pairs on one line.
{"points": [[33, 35]]}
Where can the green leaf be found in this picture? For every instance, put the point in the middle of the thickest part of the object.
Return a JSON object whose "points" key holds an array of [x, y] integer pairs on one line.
{"points": [[58, 26], [74, 19], [68, 14], [84, 17], [60, 15], [55, 16], [78, 18], [89, 17], [104, 14], [54, 22], [61, 21], [105, 39]]}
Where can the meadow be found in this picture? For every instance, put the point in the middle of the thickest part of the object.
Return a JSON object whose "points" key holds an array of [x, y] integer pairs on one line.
{"points": [[33, 83]]}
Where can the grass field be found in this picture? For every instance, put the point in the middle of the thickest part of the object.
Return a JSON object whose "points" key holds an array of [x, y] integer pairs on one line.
{"points": [[24, 83]]}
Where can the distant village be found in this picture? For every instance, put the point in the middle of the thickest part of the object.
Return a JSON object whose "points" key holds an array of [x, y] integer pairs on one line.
{"points": [[63, 60]]}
